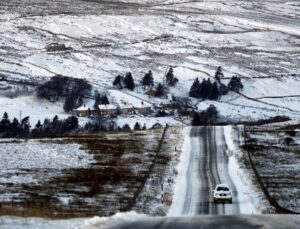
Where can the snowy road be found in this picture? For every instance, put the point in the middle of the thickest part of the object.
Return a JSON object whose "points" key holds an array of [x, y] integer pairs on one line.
{"points": [[207, 167], [208, 159]]}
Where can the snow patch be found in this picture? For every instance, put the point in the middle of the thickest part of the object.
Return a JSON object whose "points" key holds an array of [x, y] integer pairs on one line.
{"points": [[118, 218], [182, 168], [247, 197]]}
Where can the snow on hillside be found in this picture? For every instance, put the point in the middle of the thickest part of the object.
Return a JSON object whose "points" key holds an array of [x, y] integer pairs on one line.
{"points": [[37, 109], [251, 39]]}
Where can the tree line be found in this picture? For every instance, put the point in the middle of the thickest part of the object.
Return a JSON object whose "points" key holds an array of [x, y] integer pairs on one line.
{"points": [[49, 128]]}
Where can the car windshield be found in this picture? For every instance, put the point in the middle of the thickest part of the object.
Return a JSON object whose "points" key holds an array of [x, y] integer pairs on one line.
{"points": [[222, 189]]}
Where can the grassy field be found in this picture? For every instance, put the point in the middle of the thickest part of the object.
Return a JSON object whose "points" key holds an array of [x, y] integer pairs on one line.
{"points": [[275, 151], [102, 187]]}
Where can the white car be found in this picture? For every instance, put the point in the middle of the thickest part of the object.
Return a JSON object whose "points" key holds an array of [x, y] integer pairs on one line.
{"points": [[222, 193]]}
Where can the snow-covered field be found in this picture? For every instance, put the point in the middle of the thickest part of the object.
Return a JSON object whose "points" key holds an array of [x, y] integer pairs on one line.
{"points": [[275, 152], [252, 39], [34, 162]]}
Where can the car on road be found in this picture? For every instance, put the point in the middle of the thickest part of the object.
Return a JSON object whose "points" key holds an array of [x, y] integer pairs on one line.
{"points": [[222, 193]]}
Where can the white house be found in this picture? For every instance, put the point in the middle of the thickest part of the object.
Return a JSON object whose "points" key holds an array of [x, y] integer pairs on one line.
{"points": [[107, 109], [143, 108], [84, 111], [126, 108]]}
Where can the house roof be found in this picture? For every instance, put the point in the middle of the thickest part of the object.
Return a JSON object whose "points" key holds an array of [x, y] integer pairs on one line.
{"points": [[142, 105], [83, 108], [107, 107], [126, 106]]}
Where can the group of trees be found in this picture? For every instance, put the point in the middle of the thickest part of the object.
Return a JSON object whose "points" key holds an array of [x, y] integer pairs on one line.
{"points": [[124, 82], [100, 99], [205, 89], [50, 128], [55, 127], [147, 81], [207, 117], [62, 87], [14, 128], [213, 91], [235, 84]]}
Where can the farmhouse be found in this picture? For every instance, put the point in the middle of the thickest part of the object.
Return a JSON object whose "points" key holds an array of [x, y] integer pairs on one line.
{"points": [[84, 111], [107, 109], [142, 108], [55, 47], [126, 109]]}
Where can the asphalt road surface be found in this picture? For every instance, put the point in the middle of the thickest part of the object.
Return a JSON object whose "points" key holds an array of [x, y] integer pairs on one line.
{"points": [[210, 163], [218, 222]]}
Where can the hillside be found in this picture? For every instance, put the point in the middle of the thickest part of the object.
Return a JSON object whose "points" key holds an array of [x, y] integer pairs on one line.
{"points": [[258, 41]]}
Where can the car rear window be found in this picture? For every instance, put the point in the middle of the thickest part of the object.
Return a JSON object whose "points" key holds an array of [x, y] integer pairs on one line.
{"points": [[222, 189]]}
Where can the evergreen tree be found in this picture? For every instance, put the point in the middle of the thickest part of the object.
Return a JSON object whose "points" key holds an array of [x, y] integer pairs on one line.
{"points": [[15, 128], [118, 82], [160, 90], [100, 99], [235, 84], [71, 123], [196, 120], [126, 127], [205, 89], [38, 125], [171, 80], [219, 74], [211, 115], [207, 117], [25, 127], [195, 89], [144, 127], [129, 82], [4, 123], [214, 92], [148, 79], [137, 126]]}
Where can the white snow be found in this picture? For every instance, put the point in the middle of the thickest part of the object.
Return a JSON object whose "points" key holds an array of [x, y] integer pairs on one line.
{"points": [[37, 109], [180, 181], [19, 156], [247, 195], [118, 218]]}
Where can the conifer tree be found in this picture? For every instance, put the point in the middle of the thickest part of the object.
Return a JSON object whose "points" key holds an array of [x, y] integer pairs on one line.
{"points": [[148, 79], [129, 82], [195, 89], [171, 80], [219, 74], [160, 90], [214, 92], [118, 81]]}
